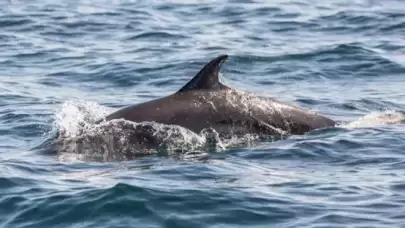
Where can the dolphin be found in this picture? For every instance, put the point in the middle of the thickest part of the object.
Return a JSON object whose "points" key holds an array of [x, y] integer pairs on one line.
{"points": [[205, 103]]}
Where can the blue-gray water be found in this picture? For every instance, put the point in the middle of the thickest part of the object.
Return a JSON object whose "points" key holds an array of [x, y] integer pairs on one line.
{"points": [[62, 61]]}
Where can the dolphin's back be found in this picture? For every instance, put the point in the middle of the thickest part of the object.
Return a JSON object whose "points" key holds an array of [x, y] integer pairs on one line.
{"points": [[227, 111], [204, 102]]}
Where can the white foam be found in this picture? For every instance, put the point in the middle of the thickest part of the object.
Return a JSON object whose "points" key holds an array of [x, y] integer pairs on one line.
{"points": [[377, 118], [74, 115]]}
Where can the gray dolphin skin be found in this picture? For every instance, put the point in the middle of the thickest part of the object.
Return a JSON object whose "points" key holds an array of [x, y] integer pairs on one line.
{"points": [[205, 103]]}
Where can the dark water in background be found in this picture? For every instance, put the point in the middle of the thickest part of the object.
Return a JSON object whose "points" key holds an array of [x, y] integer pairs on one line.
{"points": [[62, 62]]}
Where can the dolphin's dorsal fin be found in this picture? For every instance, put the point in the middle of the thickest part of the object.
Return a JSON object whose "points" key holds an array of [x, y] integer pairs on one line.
{"points": [[208, 77]]}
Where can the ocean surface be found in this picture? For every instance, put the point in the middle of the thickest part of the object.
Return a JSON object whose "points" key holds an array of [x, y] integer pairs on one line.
{"points": [[64, 64]]}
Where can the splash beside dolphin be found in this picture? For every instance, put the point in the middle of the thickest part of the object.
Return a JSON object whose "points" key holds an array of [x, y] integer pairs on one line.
{"points": [[206, 103]]}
